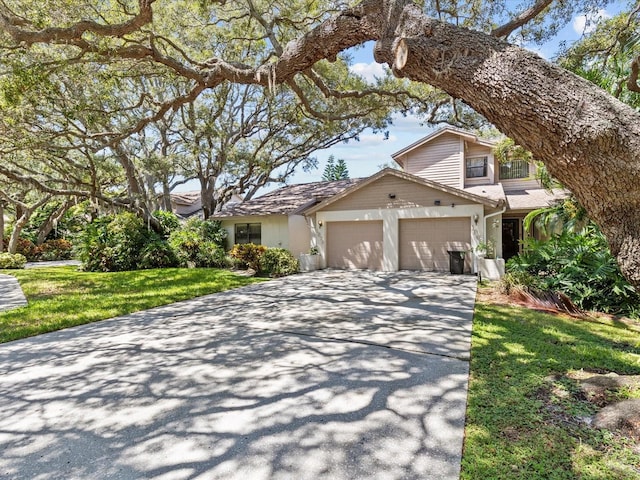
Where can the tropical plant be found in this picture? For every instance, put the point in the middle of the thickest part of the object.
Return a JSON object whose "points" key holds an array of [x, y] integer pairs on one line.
{"points": [[157, 253], [578, 264], [248, 254], [278, 262], [113, 243]]}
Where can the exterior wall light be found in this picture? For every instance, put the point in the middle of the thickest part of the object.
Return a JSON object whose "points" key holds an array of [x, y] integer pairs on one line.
{"points": [[392, 196], [475, 218]]}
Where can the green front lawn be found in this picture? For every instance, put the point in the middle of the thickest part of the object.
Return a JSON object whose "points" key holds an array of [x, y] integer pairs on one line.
{"points": [[61, 297], [525, 418]]}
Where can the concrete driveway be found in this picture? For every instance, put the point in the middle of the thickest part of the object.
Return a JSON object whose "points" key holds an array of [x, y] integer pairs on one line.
{"points": [[336, 375]]}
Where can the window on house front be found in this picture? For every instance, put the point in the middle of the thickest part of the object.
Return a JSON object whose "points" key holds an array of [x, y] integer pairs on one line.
{"points": [[517, 168], [476, 167], [248, 233]]}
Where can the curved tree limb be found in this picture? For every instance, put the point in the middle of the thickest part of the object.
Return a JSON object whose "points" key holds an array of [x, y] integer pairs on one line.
{"points": [[523, 18]]}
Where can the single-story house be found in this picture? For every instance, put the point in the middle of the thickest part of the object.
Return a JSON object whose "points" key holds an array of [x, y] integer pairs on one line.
{"points": [[451, 194]]}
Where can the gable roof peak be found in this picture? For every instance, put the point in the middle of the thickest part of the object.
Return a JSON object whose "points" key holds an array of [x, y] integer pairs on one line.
{"points": [[467, 134]]}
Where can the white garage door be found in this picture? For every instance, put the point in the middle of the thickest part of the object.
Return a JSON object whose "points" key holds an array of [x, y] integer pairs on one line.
{"points": [[352, 245], [424, 243]]}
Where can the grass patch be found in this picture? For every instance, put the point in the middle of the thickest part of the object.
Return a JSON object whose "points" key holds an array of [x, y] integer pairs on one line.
{"points": [[525, 417], [62, 297]]}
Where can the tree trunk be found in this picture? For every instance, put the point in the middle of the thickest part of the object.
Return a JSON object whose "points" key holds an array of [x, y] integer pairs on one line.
{"points": [[17, 230], [207, 196], [588, 140], [1, 227], [51, 222]]}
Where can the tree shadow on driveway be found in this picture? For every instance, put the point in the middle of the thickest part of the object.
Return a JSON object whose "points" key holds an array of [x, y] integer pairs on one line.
{"points": [[194, 391]]}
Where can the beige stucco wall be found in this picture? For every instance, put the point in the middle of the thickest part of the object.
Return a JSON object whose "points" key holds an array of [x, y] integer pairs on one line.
{"points": [[281, 231], [299, 235], [274, 229]]}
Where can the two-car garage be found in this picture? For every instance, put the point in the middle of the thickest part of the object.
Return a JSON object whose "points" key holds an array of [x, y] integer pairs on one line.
{"points": [[396, 221], [423, 243]]}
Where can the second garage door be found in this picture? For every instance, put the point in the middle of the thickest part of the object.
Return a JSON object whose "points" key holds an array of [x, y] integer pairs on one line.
{"points": [[352, 245], [424, 243]]}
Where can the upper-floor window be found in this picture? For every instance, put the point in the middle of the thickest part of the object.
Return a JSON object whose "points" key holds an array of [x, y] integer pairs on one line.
{"points": [[517, 168], [248, 233], [476, 167]]}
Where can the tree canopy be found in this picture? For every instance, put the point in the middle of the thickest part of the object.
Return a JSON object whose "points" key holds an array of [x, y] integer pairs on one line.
{"points": [[451, 60]]}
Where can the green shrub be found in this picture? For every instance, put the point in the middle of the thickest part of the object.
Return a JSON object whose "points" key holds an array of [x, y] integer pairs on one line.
{"points": [[157, 253], [12, 260], [248, 254], [54, 250], [169, 222], [212, 256], [579, 265], [113, 243], [207, 231], [200, 242], [278, 262], [186, 245]]}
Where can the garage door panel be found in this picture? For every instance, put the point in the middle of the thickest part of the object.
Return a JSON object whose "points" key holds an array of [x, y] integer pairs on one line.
{"points": [[425, 243], [354, 245]]}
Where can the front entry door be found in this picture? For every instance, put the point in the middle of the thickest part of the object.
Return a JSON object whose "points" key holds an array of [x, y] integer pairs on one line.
{"points": [[510, 237]]}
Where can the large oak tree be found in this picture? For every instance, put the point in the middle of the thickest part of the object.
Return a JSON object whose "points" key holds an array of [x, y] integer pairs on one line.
{"points": [[587, 138]]}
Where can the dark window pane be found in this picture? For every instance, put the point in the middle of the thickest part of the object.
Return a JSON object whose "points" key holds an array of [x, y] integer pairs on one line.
{"points": [[476, 167], [248, 233]]}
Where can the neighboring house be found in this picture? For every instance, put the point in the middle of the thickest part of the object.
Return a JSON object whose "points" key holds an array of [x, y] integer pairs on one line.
{"points": [[451, 195]]}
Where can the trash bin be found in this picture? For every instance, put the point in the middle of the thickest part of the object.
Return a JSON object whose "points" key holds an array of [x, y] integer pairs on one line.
{"points": [[456, 262]]}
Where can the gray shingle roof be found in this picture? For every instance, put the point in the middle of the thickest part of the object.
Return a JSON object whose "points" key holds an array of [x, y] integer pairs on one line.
{"points": [[287, 200], [533, 198]]}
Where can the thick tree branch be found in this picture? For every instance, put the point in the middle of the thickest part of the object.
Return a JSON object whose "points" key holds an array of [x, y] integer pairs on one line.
{"points": [[523, 18], [13, 25]]}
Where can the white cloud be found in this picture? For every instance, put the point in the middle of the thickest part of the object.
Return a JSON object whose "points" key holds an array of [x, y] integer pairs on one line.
{"points": [[369, 71], [587, 23]]}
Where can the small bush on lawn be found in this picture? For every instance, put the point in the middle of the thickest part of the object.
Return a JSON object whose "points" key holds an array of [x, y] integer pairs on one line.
{"points": [[248, 254], [157, 253], [200, 242], [278, 262], [211, 256], [113, 243], [12, 260], [54, 250], [27, 248]]}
